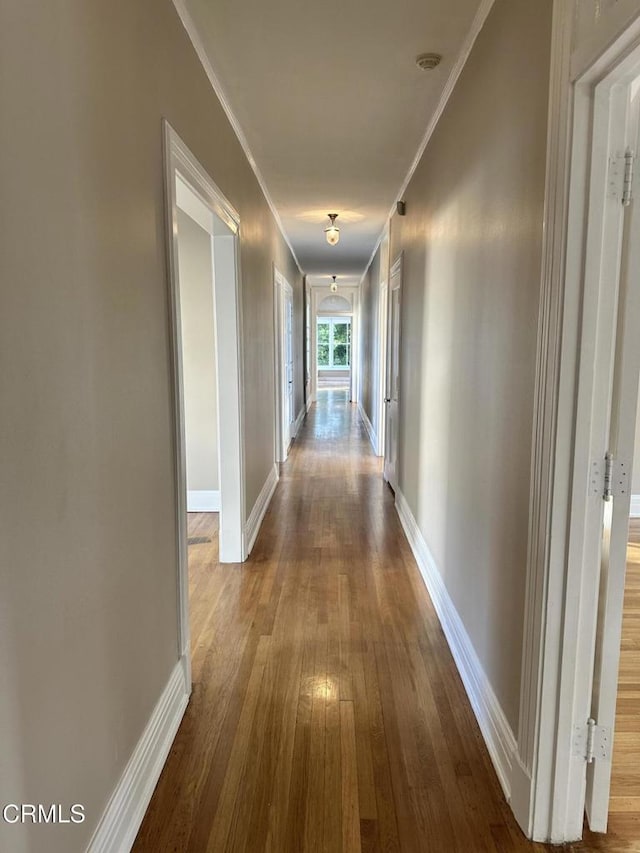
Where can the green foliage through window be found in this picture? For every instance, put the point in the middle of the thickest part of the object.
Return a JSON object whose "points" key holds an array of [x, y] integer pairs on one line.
{"points": [[334, 342]]}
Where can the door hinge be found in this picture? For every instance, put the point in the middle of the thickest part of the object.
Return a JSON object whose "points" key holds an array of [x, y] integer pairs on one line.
{"points": [[610, 480], [608, 474], [620, 182], [627, 181], [592, 741]]}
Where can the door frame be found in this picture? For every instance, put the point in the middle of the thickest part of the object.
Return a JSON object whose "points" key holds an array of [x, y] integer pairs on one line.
{"points": [[282, 288], [352, 294], [600, 120], [547, 780], [179, 161]]}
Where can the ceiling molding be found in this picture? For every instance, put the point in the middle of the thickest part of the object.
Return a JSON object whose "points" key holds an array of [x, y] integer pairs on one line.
{"points": [[456, 71], [196, 41]]}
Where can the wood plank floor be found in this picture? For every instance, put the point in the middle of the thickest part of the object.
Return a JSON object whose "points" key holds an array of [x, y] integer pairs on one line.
{"points": [[327, 714], [624, 807]]}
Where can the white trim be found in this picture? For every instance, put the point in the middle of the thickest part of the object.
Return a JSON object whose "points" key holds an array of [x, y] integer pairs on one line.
{"points": [[561, 597], [493, 723], [536, 733], [128, 803], [192, 31], [373, 438], [607, 23], [178, 160], [634, 510], [260, 507], [298, 421], [202, 500], [309, 403]]}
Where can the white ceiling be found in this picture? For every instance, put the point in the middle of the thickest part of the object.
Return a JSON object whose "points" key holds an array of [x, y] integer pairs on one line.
{"points": [[332, 106]]}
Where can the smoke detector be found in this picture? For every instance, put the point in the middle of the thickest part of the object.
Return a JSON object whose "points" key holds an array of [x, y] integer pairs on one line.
{"points": [[427, 61]]}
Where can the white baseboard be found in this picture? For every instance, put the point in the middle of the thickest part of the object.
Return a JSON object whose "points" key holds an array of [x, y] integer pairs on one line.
{"points": [[493, 723], [298, 421], [123, 815], [309, 402], [521, 800], [373, 438], [634, 510], [259, 508], [203, 501]]}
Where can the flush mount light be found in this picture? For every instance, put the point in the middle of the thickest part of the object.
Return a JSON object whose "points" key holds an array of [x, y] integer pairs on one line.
{"points": [[332, 232], [428, 61], [334, 284]]}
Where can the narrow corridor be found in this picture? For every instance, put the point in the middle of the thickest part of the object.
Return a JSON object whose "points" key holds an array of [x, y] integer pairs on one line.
{"points": [[327, 713]]}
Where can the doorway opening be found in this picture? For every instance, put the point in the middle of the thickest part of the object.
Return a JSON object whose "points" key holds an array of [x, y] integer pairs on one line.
{"points": [[333, 341], [199, 352], [206, 334], [333, 354], [602, 287]]}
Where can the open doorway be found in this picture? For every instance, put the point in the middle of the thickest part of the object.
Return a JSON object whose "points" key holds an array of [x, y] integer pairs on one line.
{"points": [[333, 354], [206, 361], [618, 353], [333, 341], [603, 271], [199, 356], [333, 345]]}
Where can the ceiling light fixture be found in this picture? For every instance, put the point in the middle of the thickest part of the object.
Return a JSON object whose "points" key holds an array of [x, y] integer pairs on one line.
{"points": [[332, 232], [334, 284]]}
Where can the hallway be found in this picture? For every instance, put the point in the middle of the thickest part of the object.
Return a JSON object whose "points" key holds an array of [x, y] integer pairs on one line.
{"points": [[327, 713]]}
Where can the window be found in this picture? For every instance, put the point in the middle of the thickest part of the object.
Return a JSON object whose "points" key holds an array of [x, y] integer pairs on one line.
{"points": [[334, 343]]}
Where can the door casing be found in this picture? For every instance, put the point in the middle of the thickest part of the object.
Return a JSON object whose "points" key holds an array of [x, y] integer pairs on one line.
{"points": [[180, 162], [575, 347]]}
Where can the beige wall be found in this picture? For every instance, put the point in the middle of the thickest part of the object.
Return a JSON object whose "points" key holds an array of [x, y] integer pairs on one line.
{"points": [[471, 239], [198, 355], [87, 495]]}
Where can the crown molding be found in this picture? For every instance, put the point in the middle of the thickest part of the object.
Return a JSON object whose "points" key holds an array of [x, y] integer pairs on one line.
{"points": [[192, 31], [463, 56], [456, 71]]}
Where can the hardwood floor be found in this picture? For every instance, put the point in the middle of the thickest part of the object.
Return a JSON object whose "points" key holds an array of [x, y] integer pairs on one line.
{"points": [[624, 807], [327, 714]]}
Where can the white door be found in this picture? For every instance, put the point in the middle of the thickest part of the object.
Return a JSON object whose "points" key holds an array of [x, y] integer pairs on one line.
{"points": [[382, 366], [393, 377], [621, 434], [289, 407], [283, 330]]}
